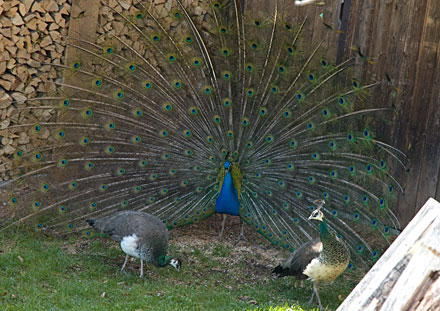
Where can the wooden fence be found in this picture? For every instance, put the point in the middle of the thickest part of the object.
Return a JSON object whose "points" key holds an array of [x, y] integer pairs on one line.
{"points": [[402, 37]]}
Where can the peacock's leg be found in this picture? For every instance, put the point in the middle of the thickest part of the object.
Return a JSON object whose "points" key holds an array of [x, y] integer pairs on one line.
{"points": [[315, 289], [241, 236], [223, 227], [125, 262], [142, 268], [313, 295]]}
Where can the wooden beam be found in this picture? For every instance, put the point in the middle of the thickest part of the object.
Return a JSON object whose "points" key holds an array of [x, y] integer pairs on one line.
{"points": [[411, 263], [426, 95], [83, 25]]}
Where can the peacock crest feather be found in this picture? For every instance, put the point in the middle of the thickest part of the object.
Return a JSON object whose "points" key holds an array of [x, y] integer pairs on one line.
{"points": [[147, 114]]}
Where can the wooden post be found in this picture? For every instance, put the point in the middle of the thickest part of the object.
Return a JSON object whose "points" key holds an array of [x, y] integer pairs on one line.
{"points": [[406, 277], [83, 25]]}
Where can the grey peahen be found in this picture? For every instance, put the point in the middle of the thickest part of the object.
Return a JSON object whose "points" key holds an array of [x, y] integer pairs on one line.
{"points": [[141, 235], [192, 110], [320, 260]]}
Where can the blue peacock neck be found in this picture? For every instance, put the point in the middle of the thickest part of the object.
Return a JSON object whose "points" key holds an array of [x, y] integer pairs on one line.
{"points": [[227, 201]]}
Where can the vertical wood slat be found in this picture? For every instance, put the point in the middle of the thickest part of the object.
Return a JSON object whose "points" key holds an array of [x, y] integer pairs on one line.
{"points": [[83, 25], [413, 111], [429, 73]]}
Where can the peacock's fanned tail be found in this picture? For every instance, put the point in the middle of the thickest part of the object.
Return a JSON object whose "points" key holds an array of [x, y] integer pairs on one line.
{"points": [[146, 120]]}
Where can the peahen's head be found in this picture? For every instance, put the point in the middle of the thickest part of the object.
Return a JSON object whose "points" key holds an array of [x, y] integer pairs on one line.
{"points": [[176, 263], [317, 214]]}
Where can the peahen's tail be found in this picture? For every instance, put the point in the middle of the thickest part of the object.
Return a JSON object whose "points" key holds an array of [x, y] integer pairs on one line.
{"points": [[149, 111]]}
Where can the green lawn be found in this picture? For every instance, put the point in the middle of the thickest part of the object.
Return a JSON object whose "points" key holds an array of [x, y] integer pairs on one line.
{"points": [[39, 272]]}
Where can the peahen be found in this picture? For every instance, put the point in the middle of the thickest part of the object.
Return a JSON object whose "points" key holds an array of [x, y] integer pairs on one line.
{"points": [[320, 260], [192, 110], [141, 235]]}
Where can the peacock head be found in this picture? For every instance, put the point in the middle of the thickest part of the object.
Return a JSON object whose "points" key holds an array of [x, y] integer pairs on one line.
{"points": [[228, 166], [317, 214], [176, 263]]}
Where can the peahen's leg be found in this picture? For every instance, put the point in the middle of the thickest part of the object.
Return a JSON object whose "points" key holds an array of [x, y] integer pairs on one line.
{"points": [[313, 295], [223, 227], [125, 262], [241, 236], [142, 268], [315, 289]]}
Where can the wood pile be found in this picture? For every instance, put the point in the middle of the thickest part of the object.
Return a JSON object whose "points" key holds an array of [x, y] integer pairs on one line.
{"points": [[31, 36]]}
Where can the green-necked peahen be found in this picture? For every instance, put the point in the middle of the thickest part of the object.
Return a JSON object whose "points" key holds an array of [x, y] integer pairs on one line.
{"points": [[321, 260], [193, 110], [141, 235]]}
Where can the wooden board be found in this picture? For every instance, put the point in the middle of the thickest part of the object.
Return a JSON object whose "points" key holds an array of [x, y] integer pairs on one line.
{"points": [[406, 276], [83, 25]]}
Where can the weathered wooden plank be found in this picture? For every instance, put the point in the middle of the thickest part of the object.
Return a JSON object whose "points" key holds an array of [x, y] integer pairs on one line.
{"points": [[394, 281], [426, 95], [437, 100], [83, 25], [428, 295], [411, 112]]}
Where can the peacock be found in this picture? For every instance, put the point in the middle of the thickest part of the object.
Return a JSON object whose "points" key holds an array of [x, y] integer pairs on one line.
{"points": [[141, 235], [194, 110], [321, 260]]}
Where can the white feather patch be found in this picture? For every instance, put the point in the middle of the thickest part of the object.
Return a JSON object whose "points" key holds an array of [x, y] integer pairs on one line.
{"points": [[129, 245]]}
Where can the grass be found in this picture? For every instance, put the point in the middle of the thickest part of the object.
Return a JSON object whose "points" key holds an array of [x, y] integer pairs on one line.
{"points": [[39, 272]]}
